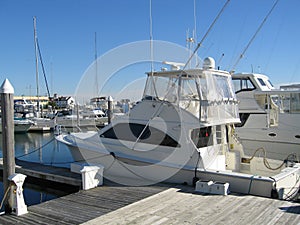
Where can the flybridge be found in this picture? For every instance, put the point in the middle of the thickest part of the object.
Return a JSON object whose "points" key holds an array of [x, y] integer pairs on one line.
{"points": [[206, 93]]}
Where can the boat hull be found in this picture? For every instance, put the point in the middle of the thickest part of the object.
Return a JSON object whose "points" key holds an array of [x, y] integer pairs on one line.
{"points": [[126, 171], [20, 125], [279, 141]]}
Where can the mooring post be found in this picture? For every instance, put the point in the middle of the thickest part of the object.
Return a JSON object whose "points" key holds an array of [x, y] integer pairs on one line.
{"points": [[110, 109], [7, 116]]}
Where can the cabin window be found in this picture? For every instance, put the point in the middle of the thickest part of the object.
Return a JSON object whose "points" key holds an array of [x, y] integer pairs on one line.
{"points": [[146, 134], [261, 81], [202, 137], [270, 83], [242, 84]]}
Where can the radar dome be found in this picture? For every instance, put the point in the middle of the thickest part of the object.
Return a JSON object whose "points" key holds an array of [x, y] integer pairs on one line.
{"points": [[209, 63]]}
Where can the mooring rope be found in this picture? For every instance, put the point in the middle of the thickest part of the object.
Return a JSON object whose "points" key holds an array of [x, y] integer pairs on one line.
{"points": [[37, 149]]}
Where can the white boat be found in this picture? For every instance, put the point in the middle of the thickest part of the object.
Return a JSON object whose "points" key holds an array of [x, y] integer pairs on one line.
{"points": [[88, 119], [20, 125], [270, 118], [182, 131]]}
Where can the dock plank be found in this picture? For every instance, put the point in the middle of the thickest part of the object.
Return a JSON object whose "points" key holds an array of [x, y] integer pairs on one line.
{"points": [[162, 204], [46, 172], [174, 206], [83, 206], [157, 204]]}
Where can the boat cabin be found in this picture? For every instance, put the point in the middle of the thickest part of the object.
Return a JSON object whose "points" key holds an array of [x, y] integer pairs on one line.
{"points": [[206, 93], [256, 94]]}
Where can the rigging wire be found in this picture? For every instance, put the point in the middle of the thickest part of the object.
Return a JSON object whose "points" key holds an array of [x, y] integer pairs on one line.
{"points": [[254, 36], [206, 34], [43, 68], [185, 65]]}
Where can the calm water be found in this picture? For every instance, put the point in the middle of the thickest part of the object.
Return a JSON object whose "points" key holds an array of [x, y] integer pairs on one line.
{"points": [[42, 148]]}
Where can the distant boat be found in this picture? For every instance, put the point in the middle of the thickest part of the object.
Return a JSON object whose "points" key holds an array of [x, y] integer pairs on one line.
{"points": [[270, 118], [88, 119], [20, 125]]}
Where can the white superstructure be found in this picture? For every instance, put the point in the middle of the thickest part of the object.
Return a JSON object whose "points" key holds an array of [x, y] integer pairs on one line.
{"points": [[270, 118], [181, 131]]}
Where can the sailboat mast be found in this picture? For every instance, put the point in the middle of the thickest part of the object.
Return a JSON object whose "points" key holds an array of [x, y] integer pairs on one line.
{"points": [[36, 64], [96, 66]]}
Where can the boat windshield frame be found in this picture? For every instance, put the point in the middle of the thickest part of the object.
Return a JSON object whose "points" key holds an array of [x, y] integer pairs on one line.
{"points": [[204, 93]]}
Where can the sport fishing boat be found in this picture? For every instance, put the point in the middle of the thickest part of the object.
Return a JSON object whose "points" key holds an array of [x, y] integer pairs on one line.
{"points": [[270, 118], [182, 131]]}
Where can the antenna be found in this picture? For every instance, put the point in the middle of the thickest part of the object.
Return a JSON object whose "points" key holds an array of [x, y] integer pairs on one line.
{"points": [[207, 32], [151, 46], [253, 37], [219, 61], [151, 35]]}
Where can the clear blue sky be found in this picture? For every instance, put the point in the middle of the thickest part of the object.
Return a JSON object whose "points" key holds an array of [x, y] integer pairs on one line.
{"points": [[66, 31]]}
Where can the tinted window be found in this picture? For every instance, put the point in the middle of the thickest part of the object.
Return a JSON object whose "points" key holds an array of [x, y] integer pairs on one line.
{"points": [[270, 83], [242, 84], [145, 134], [261, 81], [202, 137]]}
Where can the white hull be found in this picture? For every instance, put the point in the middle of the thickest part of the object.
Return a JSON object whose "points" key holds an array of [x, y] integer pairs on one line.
{"points": [[71, 123], [270, 118], [127, 171], [20, 126], [279, 141]]}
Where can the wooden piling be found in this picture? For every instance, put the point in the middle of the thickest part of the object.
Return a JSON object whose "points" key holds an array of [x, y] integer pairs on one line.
{"points": [[110, 109], [7, 117]]}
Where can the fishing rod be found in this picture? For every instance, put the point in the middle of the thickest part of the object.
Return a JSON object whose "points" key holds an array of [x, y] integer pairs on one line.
{"points": [[206, 34], [185, 65], [253, 37]]}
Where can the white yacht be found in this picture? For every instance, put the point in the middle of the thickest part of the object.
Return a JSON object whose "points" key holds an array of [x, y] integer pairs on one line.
{"points": [[270, 118], [182, 131], [21, 125]]}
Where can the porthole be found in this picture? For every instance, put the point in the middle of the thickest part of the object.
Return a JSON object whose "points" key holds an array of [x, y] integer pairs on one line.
{"points": [[272, 134]]}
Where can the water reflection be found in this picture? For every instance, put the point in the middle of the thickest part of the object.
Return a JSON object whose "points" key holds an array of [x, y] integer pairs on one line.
{"points": [[40, 148]]}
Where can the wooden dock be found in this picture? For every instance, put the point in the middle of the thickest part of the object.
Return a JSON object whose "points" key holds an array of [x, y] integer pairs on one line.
{"points": [[82, 206], [45, 172], [114, 204], [157, 204], [180, 205]]}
